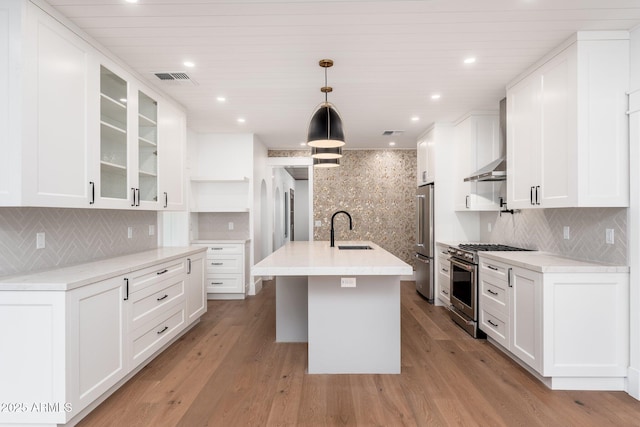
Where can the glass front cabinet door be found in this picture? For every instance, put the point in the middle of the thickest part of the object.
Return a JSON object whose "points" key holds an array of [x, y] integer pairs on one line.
{"points": [[147, 148], [128, 146], [114, 153]]}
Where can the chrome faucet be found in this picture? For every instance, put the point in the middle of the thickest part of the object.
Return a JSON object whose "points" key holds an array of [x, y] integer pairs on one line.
{"points": [[333, 242]]}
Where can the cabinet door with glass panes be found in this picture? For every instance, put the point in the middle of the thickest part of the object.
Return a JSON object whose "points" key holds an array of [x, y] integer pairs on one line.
{"points": [[147, 189], [113, 187], [128, 146]]}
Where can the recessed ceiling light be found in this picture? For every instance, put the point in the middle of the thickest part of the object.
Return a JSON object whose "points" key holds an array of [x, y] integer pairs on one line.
{"points": [[131, 1], [123, 100], [435, 96], [221, 99], [415, 118], [303, 144], [241, 120], [189, 64], [470, 60], [391, 144]]}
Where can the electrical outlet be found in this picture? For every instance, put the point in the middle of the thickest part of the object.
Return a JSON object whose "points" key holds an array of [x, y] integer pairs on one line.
{"points": [[489, 227], [566, 232], [348, 282], [609, 236], [129, 232], [152, 229], [39, 240], [230, 226], [318, 224]]}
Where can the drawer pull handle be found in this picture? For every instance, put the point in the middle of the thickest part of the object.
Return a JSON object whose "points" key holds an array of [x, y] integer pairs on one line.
{"points": [[162, 330], [216, 283], [491, 292], [162, 272], [491, 267], [162, 297], [217, 263], [445, 270], [216, 249], [492, 324], [445, 292]]}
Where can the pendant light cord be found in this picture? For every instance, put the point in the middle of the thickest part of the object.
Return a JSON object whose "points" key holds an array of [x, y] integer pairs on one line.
{"points": [[326, 99]]}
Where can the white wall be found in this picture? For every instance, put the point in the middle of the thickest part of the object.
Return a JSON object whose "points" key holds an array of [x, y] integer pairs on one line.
{"points": [[283, 182], [633, 386], [301, 214]]}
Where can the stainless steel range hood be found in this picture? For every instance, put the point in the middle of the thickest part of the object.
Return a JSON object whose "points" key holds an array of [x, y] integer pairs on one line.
{"points": [[494, 171]]}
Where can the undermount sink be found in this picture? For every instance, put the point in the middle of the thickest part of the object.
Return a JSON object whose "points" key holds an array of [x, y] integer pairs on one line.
{"points": [[355, 247]]}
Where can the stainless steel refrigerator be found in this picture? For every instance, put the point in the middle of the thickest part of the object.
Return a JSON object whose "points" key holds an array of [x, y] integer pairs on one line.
{"points": [[425, 249]]}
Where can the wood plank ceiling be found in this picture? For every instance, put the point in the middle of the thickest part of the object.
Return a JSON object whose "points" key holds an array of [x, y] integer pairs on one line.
{"points": [[390, 56]]}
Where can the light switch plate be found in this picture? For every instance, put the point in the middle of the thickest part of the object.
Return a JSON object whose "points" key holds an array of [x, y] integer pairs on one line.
{"points": [[318, 223], [230, 226], [348, 282], [152, 230], [609, 236], [566, 232], [129, 232], [39, 240]]}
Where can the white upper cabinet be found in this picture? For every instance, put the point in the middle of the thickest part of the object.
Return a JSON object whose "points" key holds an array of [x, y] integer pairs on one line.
{"points": [[567, 142], [84, 132], [172, 128], [477, 143], [43, 142], [426, 159]]}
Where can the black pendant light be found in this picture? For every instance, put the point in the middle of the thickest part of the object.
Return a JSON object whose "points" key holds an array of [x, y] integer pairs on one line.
{"points": [[326, 153], [326, 163], [325, 127]]}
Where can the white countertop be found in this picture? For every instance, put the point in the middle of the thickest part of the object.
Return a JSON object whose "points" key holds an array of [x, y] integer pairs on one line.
{"points": [[546, 262], [68, 278], [214, 241], [319, 259]]}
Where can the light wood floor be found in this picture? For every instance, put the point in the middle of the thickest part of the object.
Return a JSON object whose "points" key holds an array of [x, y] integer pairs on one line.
{"points": [[228, 371]]}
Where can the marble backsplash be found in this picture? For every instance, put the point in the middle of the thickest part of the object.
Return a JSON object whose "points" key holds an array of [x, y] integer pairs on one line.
{"points": [[377, 187], [542, 229], [72, 236]]}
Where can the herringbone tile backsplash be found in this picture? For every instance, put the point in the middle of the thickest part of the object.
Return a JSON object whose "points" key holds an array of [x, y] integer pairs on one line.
{"points": [[542, 229], [72, 236]]}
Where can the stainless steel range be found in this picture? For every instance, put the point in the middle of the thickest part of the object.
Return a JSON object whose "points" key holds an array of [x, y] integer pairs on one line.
{"points": [[464, 283]]}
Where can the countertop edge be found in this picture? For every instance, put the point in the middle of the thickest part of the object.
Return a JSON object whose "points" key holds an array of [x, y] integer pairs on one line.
{"points": [[75, 276], [571, 266]]}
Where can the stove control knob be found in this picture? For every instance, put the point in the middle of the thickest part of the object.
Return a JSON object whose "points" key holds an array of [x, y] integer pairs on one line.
{"points": [[468, 256]]}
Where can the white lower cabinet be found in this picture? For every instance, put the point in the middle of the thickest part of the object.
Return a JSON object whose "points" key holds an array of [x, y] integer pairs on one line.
{"points": [[100, 337], [443, 281], [86, 334], [225, 268], [569, 326]]}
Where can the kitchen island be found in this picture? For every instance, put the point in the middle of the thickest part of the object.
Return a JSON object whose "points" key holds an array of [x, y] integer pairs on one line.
{"points": [[344, 302]]}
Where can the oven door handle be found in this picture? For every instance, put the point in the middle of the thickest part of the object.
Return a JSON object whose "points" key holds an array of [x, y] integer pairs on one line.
{"points": [[468, 267]]}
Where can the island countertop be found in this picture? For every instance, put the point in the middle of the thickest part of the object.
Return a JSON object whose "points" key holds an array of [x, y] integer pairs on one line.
{"points": [[301, 258]]}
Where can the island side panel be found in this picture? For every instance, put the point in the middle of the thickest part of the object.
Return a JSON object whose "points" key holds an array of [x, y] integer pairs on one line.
{"points": [[291, 309], [354, 330]]}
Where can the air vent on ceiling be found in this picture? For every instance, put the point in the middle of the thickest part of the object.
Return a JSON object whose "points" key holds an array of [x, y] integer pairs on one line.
{"points": [[392, 132], [178, 77]]}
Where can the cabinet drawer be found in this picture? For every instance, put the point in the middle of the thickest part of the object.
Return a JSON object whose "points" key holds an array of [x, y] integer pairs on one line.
{"points": [[494, 269], [152, 300], [443, 267], [495, 326], [443, 286], [215, 249], [224, 264], [494, 294], [148, 339], [231, 283], [150, 276]]}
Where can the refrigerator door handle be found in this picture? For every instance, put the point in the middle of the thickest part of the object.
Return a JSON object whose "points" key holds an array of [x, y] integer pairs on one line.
{"points": [[420, 228]]}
